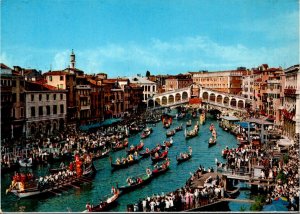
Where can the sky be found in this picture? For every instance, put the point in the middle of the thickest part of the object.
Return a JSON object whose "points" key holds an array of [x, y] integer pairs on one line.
{"points": [[129, 37]]}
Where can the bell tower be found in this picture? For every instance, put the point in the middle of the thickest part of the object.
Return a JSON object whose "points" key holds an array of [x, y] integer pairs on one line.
{"points": [[72, 60]]}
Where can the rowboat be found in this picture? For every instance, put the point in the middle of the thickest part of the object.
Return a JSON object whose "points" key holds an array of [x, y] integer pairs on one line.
{"points": [[106, 204], [138, 182], [120, 146], [191, 133], [145, 134], [233, 193], [167, 144], [145, 154]]}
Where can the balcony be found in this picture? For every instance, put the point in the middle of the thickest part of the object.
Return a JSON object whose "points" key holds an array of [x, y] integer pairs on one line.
{"points": [[85, 107], [88, 87]]}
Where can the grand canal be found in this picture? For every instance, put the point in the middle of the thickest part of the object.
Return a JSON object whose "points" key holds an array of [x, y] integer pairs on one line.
{"points": [[76, 199]]}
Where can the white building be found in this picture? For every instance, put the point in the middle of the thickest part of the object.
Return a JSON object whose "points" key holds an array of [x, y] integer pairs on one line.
{"points": [[149, 87], [46, 109]]}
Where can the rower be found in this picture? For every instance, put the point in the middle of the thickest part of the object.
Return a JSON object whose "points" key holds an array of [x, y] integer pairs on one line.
{"points": [[118, 161], [148, 171], [147, 150]]}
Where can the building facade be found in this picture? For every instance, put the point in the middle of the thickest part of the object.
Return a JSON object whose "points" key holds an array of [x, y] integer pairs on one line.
{"points": [[178, 81], [222, 81], [46, 109], [291, 106], [149, 87]]}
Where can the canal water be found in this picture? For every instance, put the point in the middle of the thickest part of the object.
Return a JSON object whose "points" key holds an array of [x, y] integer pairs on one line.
{"points": [[75, 199]]}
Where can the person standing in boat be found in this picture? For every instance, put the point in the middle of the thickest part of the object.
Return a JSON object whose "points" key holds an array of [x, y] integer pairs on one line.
{"points": [[148, 171]]}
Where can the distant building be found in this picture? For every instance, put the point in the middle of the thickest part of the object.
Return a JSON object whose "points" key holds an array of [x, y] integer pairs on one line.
{"points": [[178, 81], [291, 104], [222, 81], [149, 87]]}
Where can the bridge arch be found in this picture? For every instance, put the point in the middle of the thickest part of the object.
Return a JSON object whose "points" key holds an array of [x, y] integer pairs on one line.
{"points": [[184, 95], [171, 99], [205, 96], [212, 97], [233, 102], [241, 104], [157, 102], [226, 101], [177, 97], [151, 103], [219, 99], [164, 100]]}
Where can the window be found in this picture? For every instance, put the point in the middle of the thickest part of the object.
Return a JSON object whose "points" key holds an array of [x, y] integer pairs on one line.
{"points": [[54, 96], [61, 86], [32, 97], [48, 110], [61, 78], [22, 111], [50, 78], [61, 96], [55, 109], [61, 109], [41, 111], [40, 97], [32, 111], [47, 96]]}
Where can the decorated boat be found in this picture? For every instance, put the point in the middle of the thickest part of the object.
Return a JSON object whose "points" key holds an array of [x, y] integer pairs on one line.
{"points": [[167, 143], [145, 134], [146, 153], [27, 188], [192, 133]]}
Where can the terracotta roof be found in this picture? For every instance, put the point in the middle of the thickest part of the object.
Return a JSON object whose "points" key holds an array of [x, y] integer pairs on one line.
{"points": [[53, 73], [3, 66], [35, 86]]}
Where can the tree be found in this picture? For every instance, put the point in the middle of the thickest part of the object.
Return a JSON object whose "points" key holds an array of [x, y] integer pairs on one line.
{"points": [[148, 74]]}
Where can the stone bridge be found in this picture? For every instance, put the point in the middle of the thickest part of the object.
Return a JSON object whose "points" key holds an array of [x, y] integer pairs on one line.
{"points": [[210, 97]]}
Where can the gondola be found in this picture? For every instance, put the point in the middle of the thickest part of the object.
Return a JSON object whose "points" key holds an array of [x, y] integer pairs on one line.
{"points": [[35, 190], [164, 167], [145, 154], [143, 179], [178, 128], [185, 156], [125, 164], [105, 205], [161, 156], [145, 134], [233, 193], [189, 123], [136, 148], [170, 133], [167, 144], [191, 134], [100, 155], [183, 159], [212, 142], [118, 147]]}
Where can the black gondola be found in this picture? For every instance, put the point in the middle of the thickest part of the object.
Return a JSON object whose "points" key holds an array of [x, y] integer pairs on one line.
{"points": [[105, 205], [125, 164], [164, 167], [161, 156], [140, 181], [182, 159]]}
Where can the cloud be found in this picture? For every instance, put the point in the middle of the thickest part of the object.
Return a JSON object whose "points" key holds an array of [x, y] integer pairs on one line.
{"points": [[176, 56]]}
